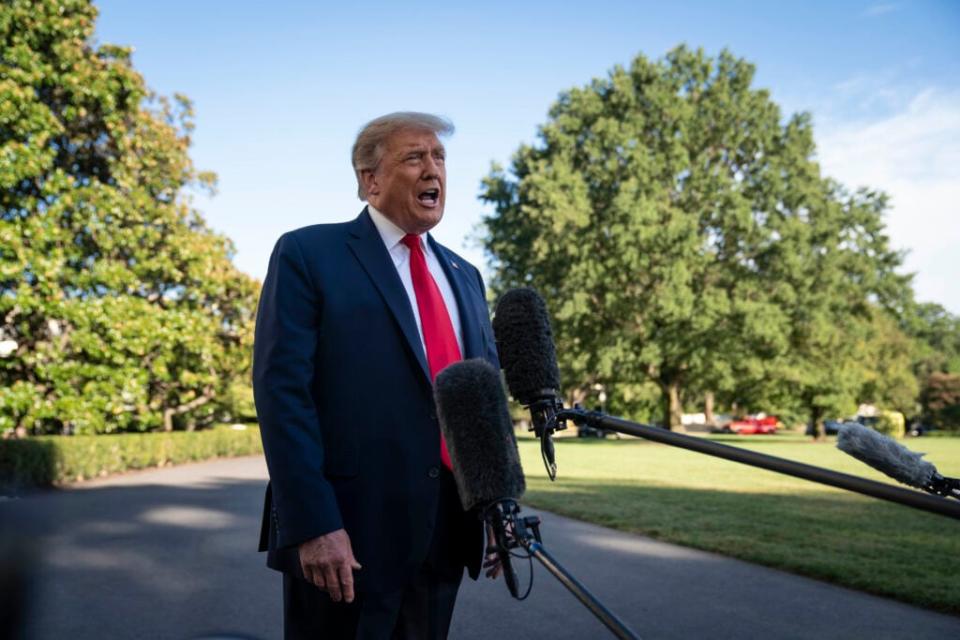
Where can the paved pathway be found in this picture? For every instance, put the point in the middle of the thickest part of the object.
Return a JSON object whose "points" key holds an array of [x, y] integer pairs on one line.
{"points": [[170, 554]]}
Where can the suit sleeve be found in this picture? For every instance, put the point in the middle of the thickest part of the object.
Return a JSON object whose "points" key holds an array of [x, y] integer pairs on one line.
{"points": [[288, 320], [492, 356]]}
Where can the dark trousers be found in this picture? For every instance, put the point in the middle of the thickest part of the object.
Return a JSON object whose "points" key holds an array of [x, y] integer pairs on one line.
{"points": [[420, 610]]}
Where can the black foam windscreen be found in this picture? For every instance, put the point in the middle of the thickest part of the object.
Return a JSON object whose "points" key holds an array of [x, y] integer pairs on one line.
{"points": [[525, 345], [475, 422], [885, 455]]}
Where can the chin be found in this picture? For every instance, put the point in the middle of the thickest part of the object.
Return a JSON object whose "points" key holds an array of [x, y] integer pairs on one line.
{"points": [[428, 220]]}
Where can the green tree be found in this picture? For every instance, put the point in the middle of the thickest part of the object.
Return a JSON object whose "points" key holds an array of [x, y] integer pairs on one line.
{"points": [[889, 355], [938, 332], [119, 308], [683, 234], [844, 276], [941, 400]]}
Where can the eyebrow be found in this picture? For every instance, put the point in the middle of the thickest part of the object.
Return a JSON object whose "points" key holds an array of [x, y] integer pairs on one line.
{"points": [[420, 147]]}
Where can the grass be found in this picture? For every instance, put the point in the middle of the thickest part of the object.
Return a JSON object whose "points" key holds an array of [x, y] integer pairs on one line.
{"points": [[759, 516]]}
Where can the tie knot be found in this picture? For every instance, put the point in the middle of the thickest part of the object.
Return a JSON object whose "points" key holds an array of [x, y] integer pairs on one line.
{"points": [[412, 241]]}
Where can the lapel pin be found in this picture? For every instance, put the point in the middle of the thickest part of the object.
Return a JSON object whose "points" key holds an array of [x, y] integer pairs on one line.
{"points": [[454, 264]]}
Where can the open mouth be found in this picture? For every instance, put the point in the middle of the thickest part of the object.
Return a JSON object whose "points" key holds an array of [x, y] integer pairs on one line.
{"points": [[430, 197]]}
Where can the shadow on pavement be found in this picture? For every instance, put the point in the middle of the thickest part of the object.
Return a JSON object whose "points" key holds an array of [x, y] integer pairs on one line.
{"points": [[153, 560], [150, 560]]}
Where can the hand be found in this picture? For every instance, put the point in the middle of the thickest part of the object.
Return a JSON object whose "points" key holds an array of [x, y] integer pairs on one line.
{"points": [[492, 560], [328, 563]]}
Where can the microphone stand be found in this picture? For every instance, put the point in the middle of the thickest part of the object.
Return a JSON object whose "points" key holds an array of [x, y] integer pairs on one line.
{"points": [[872, 488], [512, 531]]}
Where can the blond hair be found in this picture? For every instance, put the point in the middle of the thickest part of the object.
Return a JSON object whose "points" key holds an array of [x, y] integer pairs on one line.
{"points": [[371, 141]]}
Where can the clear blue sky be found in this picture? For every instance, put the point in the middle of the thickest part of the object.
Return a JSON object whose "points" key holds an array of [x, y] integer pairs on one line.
{"points": [[281, 88]]}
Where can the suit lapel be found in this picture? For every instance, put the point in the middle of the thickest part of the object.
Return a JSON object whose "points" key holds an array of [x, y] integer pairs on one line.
{"points": [[367, 245], [467, 296]]}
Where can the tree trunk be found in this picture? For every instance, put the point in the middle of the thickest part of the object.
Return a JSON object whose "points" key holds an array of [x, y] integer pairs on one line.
{"points": [[708, 416], [672, 408], [816, 420], [577, 396], [169, 412]]}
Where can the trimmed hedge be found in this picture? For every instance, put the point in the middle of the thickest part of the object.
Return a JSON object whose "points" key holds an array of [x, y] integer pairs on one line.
{"points": [[44, 461]]}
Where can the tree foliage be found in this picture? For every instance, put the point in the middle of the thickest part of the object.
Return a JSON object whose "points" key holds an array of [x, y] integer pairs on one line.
{"points": [[937, 332], [941, 400], [683, 234], [888, 355], [119, 308]]}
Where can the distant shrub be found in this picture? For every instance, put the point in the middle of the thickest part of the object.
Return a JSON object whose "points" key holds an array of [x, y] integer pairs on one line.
{"points": [[892, 423]]}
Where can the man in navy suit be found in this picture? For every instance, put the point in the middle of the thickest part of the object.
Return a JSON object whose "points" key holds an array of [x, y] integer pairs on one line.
{"points": [[355, 320]]}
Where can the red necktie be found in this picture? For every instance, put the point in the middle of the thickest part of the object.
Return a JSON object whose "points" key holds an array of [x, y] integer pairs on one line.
{"points": [[438, 334]]}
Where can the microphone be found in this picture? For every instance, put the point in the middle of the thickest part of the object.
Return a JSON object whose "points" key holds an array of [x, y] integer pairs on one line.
{"points": [[527, 354], [475, 422], [476, 425], [893, 459], [525, 346]]}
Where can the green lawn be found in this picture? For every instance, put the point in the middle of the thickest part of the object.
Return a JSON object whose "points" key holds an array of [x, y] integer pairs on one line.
{"points": [[764, 517]]}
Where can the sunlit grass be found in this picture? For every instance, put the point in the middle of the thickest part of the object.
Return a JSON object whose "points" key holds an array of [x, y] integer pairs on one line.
{"points": [[760, 516]]}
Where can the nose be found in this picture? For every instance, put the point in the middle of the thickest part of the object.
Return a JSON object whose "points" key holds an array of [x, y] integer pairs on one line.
{"points": [[431, 168]]}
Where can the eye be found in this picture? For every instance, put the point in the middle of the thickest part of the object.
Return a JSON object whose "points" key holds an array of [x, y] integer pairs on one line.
{"points": [[413, 158]]}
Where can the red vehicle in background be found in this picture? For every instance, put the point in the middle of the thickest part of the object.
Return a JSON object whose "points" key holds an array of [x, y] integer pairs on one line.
{"points": [[760, 424]]}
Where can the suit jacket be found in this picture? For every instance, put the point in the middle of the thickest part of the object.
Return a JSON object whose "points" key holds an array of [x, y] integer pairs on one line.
{"points": [[345, 401]]}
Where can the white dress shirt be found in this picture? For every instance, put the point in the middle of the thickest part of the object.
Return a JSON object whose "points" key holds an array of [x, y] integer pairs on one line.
{"points": [[392, 235]]}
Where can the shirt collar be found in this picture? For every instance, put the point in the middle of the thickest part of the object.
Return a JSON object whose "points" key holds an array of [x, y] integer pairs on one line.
{"points": [[390, 233]]}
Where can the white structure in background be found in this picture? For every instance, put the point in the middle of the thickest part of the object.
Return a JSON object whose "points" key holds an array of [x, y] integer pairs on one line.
{"points": [[867, 411], [700, 419], [8, 348], [54, 327]]}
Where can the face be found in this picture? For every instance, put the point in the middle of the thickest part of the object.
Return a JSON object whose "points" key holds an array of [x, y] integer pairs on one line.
{"points": [[409, 184]]}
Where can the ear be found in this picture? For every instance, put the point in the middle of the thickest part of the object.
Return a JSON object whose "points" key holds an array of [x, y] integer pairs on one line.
{"points": [[370, 182]]}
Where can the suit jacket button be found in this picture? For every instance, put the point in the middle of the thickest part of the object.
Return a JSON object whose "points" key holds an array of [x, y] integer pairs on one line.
{"points": [[434, 472]]}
